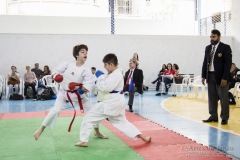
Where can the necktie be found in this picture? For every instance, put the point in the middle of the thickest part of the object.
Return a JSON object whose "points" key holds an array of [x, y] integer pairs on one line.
{"points": [[211, 58], [129, 76]]}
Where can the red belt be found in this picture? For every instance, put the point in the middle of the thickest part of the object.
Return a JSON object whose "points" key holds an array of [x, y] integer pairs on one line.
{"points": [[80, 105]]}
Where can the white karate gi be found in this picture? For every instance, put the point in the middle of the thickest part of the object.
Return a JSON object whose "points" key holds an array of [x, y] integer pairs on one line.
{"points": [[71, 73], [111, 106]]}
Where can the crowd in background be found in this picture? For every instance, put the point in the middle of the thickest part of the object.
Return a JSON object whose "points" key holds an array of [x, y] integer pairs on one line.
{"points": [[167, 74], [31, 78]]}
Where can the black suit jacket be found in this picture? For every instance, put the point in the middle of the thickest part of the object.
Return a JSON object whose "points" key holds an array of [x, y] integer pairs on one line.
{"points": [[137, 79], [222, 62]]}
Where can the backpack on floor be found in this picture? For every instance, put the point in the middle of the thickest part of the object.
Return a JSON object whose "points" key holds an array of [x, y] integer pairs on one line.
{"points": [[16, 97], [30, 93], [45, 93]]}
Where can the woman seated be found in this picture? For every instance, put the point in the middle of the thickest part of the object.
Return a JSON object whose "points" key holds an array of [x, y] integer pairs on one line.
{"points": [[176, 69], [30, 81], [168, 76], [178, 79], [13, 81], [159, 79], [46, 71]]}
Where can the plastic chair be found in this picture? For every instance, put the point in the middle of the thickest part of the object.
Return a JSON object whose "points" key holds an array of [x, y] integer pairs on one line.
{"points": [[2, 85], [196, 84], [20, 87], [183, 84], [49, 82], [237, 92]]}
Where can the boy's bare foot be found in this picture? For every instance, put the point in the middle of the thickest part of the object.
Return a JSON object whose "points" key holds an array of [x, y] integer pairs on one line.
{"points": [[145, 139], [38, 132], [81, 144], [99, 135]]}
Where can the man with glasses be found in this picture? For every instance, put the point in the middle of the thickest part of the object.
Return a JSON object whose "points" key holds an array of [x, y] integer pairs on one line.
{"points": [[216, 70]]}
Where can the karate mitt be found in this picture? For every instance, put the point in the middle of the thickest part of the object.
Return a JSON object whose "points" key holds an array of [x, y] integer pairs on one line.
{"points": [[98, 73], [58, 78], [73, 85], [80, 91]]}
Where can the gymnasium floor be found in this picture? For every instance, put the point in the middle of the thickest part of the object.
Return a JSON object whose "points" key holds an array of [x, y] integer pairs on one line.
{"points": [[173, 122]]}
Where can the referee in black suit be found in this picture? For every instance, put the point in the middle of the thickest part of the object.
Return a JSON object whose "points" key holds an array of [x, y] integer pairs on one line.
{"points": [[216, 70]]}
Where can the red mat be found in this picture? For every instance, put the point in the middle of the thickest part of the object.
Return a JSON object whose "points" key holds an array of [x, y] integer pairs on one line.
{"points": [[165, 145]]}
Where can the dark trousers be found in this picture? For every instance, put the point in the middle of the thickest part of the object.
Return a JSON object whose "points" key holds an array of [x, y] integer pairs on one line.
{"points": [[158, 80], [130, 95], [167, 83], [32, 85], [215, 93]]}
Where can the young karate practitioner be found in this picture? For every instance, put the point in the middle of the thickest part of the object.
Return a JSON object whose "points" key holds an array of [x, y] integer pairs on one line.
{"points": [[74, 79], [111, 104]]}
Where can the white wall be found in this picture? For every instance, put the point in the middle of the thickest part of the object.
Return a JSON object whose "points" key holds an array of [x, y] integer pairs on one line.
{"points": [[3, 7], [186, 51], [92, 25], [235, 30]]}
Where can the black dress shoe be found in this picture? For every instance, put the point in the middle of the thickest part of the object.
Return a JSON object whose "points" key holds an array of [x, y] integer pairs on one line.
{"points": [[158, 94], [130, 108], [210, 119], [224, 122]]}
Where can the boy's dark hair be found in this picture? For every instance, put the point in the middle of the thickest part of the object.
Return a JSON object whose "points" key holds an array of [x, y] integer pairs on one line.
{"points": [[77, 48], [215, 31], [110, 58], [93, 68]]}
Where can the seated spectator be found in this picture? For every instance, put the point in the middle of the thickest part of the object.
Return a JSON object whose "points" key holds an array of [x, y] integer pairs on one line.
{"points": [[13, 81], [94, 91], [38, 72], [133, 82], [169, 74], [178, 79], [159, 79], [29, 79], [46, 71], [93, 70], [233, 75], [176, 69]]}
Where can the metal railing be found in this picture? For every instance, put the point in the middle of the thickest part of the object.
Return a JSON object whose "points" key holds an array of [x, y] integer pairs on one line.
{"points": [[84, 2], [127, 7], [220, 21]]}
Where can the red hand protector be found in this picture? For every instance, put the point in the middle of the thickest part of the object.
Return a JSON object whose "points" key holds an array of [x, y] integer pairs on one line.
{"points": [[58, 78], [72, 85]]}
